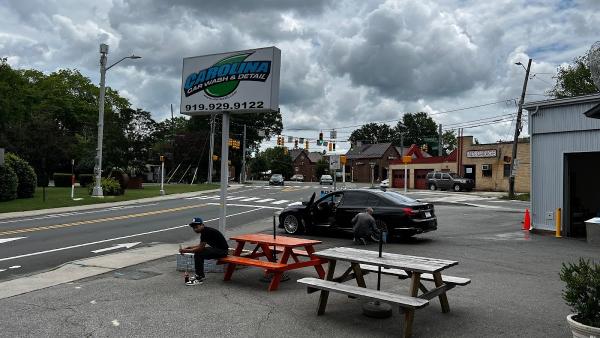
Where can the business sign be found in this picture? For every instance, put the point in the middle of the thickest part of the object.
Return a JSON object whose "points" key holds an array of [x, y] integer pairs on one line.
{"points": [[482, 153], [238, 82]]}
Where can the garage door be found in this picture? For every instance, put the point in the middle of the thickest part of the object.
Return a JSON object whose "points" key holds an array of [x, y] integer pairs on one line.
{"points": [[398, 178], [421, 178]]}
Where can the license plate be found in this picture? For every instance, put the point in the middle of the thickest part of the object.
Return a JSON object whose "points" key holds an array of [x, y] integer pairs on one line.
{"points": [[427, 214]]}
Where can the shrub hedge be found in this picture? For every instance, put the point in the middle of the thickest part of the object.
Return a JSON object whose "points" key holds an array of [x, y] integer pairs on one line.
{"points": [[8, 183], [110, 187], [27, 179], [62, 180], [86, 179]]}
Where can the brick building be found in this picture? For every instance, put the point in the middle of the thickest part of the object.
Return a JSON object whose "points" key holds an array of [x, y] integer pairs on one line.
{"points": [[421, 164], [305, 163], [359, 160]]}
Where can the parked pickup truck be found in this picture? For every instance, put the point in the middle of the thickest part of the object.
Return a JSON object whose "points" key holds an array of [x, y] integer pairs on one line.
{"points": [[446, 181]]}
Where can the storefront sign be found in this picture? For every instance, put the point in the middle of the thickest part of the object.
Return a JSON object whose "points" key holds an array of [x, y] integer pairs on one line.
{"points": [[238, 82], [482, 153]]}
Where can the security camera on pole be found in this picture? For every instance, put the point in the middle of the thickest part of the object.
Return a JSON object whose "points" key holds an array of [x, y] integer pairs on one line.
{"points": [[236, 82]]}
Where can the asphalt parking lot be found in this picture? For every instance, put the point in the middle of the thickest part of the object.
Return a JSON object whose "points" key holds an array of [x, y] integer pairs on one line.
{"points": [[515, 292]]}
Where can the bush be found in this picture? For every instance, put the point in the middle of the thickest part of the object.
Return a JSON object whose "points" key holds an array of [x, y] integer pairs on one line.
{"points": [[110, 187], [120, 176], [27, 179], [8, 183], [62, 180], [582, 292], [86, 179]]}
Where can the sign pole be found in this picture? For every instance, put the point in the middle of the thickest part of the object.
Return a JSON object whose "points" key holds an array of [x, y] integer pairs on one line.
{"points": [[405, 178], [224, 170], [162, 176], [72, 178]]}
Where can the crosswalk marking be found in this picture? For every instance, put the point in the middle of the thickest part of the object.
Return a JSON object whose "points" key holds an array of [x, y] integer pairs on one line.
{"points": [[235, 198], [280, 202], [249, 199], [265, 200]]}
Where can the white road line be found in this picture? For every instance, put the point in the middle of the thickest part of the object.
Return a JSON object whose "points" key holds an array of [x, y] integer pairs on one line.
{"points": [[235, 198], [5, 240], [280, 202], [123, 237], [249, 199], [248, 206], [1, 270], [265, 200]]}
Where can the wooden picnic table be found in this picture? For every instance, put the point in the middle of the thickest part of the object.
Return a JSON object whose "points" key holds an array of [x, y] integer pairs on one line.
{"points": [[268, 247], [403, 266]]}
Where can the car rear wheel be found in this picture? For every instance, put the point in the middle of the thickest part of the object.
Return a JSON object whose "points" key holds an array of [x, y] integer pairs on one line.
{"points": [[291, 225], [456, 187], [432, 187]]}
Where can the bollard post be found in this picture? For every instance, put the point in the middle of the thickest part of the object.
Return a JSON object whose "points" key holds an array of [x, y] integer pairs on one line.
{"points": [[558, 222]]}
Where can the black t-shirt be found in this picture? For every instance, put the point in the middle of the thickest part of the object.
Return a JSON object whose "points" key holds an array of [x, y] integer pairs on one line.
{"points": [[214, 238]]}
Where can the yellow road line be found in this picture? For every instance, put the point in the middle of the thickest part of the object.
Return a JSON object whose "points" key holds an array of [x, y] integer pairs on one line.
{"points": [[116, 218]]}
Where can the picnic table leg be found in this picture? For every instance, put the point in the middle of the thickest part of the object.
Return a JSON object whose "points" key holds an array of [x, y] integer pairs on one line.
{"points": [[409, 315], [231, 266], [437, 277], [320, 271], [415, 282], [325, 294], [360, 279], [275, 280]]}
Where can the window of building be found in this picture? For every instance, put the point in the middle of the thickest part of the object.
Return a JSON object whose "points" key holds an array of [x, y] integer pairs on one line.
{"points": [[486, 170], [507, 170]]}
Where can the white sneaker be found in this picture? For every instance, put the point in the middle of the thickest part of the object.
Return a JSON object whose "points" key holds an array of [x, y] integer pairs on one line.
{"points": [[194, 281]]}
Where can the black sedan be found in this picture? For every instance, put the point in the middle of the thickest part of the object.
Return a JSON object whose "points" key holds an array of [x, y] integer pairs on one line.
{"points": [[401, 216]]}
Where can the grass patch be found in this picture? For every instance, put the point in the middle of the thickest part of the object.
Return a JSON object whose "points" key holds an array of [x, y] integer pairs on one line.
{"points": [[518, 197], [61, 197]]}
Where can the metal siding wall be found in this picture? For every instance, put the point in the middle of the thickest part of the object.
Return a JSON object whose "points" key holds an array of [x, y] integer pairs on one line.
{"points": [[547, 169], [563, 118]]}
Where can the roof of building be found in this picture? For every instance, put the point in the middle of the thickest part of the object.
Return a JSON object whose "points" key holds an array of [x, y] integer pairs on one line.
{"points": [[368, 151], [314, 156], [294, 153], [563, 101]]}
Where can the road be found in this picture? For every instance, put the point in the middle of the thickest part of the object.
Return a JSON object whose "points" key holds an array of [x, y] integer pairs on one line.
{"points": [[39, 243]]}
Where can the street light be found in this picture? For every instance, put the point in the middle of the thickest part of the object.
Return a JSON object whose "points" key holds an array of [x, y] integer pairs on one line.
{"points": [[97, 192]]}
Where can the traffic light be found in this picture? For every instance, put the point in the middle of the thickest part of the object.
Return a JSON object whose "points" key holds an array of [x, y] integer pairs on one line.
{"points": [[278, 141], [306, 144], [321, 137], [162, 158], [296, 144], [334, 147]]}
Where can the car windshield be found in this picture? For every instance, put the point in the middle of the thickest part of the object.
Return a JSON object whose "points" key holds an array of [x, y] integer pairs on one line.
{"points": [[276, 176], [397, 197], [454, 175], [326, 177]]}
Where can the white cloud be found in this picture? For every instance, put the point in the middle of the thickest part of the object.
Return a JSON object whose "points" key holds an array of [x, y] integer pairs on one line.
{"points": [[343, 62]]}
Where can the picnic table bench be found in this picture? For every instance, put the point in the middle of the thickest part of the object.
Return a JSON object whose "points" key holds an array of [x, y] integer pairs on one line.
{"points": [[364, 261], [268, 246]]}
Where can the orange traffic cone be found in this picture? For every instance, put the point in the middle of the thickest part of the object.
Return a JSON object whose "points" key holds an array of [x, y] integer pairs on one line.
{"points": [[526, 221]]}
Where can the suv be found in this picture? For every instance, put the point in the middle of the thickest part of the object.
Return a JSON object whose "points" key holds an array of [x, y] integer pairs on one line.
{"points": [[276, 179], [326, 179], [447, 181], [297, 177]]}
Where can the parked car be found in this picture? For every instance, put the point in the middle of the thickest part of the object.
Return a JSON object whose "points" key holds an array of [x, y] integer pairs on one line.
{"points": [[446, 181], [326, 179], [400, 215], [298, 178], [385, 183], [276, 179]]}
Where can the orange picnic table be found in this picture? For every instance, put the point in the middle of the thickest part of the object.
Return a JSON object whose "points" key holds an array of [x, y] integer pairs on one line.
{"points": [[300, 250]]}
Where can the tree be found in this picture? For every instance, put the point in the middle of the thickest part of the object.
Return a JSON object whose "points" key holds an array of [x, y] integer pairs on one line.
{"points": [[322, 167], [278, 161], [372, 133], [418, 128], [574, 79], [448, 142]]}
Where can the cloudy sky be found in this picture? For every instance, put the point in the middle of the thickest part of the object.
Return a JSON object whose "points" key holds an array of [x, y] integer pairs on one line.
{"points": [[344, 63]]}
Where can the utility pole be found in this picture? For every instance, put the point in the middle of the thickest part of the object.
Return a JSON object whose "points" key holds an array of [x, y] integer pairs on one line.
{"points": [[440, 140], [511, 180], [212, 146], [244, 158]]}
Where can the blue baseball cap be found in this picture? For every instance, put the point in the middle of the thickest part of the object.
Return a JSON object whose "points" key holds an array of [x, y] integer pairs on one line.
{"points": [[196, 221]]}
